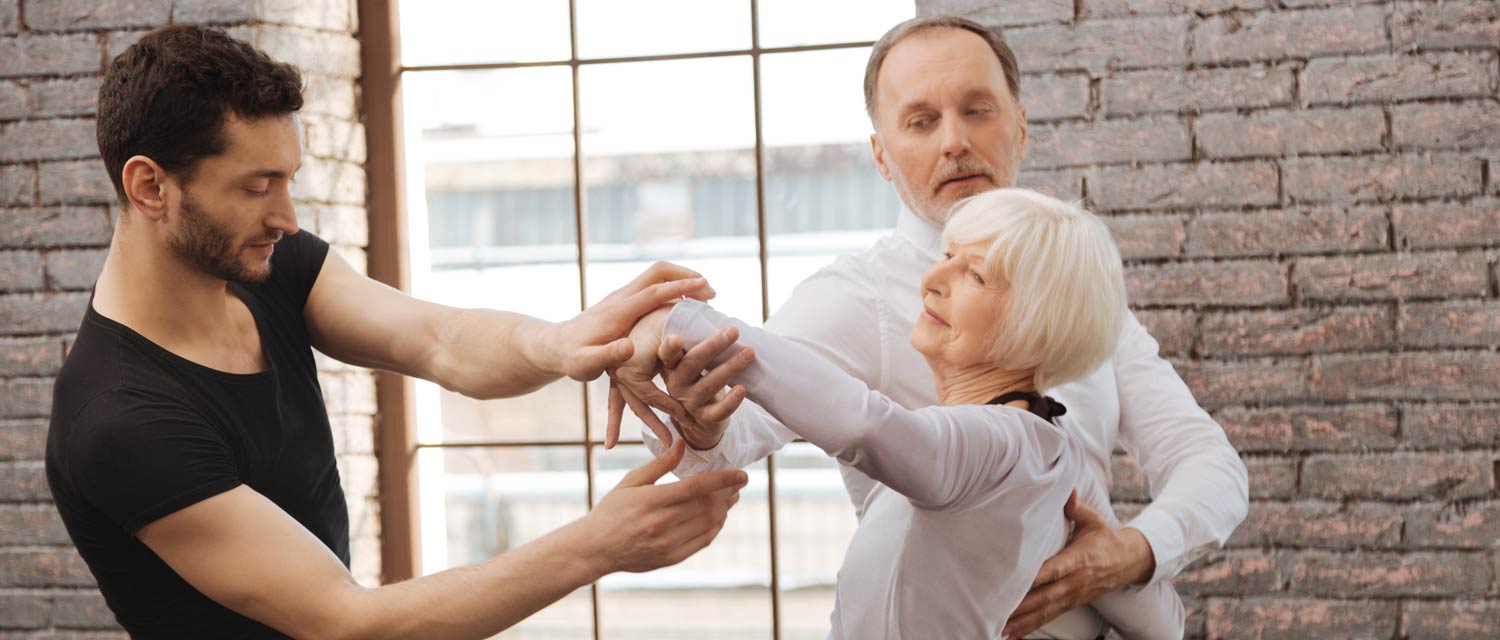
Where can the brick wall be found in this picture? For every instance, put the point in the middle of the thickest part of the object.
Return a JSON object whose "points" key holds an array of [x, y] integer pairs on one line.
{"points": [[55, 225], [1305, 195]]}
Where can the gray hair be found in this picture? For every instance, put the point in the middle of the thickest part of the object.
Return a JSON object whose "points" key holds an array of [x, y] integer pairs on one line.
{"points": [[921, 25]]}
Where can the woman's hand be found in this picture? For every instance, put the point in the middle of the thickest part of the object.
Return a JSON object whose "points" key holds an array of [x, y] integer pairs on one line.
{"points": [[705, 395]]}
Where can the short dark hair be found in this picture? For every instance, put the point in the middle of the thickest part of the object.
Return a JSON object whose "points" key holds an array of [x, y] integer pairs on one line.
{"points": [[168, 95], [921, 25]]}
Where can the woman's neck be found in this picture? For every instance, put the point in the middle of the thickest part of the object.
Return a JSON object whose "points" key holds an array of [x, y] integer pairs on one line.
{"points": [[978, 385]]}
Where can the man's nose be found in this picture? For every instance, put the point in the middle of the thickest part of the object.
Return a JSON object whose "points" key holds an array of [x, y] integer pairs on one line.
{"points": [[284, 214], [955, 137]]}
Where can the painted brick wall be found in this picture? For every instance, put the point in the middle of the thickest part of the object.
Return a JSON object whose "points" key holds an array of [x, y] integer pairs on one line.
{"points": [[1305, 194], [55, 226]]}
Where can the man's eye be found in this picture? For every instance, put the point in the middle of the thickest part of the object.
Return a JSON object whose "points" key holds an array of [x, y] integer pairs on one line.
{"points": [[920, 123], [254, 193]]}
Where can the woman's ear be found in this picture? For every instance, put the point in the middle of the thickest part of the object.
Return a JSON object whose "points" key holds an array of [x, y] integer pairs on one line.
{"points": [[145, 185]]}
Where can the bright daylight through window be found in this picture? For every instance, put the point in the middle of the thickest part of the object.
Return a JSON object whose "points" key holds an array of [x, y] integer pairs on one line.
{"points": [[667, 115]]}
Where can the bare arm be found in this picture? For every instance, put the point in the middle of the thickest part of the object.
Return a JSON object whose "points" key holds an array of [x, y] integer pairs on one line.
{"points": [[481, 353], [247, 554]]}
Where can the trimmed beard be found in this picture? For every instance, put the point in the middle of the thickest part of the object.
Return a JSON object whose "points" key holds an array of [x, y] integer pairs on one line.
{"points": [[210, 248]]}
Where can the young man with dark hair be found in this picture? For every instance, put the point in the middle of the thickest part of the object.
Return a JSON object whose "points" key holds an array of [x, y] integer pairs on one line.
{"points": [[190, 453]]}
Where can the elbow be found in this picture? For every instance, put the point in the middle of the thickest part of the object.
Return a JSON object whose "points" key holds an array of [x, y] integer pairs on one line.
{"points": [[343, 620]]}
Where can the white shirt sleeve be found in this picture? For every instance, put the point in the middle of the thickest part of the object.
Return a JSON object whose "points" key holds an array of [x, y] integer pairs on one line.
{"points": [[938, 457], [829, 314], [1152, 610], [1199, 486]]}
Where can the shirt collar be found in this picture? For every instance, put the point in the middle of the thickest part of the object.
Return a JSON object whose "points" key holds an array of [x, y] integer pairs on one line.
{"points": [[925, 236]]}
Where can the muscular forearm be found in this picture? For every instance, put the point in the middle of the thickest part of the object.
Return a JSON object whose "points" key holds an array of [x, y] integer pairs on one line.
{"points": [[476, 601], [486, 354]]}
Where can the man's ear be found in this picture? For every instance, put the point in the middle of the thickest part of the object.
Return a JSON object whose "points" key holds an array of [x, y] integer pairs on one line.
{"points": [[877, 151], [1024, 140], [145, 185]]}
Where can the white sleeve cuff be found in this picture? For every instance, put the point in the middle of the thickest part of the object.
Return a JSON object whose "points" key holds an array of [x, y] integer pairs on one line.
{"points": [[1165, 537]]}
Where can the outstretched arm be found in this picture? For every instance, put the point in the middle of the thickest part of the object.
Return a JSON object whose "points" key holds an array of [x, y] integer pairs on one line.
{"points": [[481, 353], [936, 457], [245, 553]]}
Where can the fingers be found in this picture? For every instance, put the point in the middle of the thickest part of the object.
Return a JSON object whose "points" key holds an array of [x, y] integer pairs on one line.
{"points": [[1054, 568], [649, 473], [721, 409], [670, 353], [696, 543], [647, 300], [657, 273], [707, 387], [1082, 514], [616, 411], [588, 362], [1046, 605], [642, 410], [698, 358], [701, 485]]}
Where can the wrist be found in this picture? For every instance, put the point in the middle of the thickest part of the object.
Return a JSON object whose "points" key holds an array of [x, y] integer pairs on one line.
{"points": [[544, 349], [585, 562], [1142, 558], [696, 440]]}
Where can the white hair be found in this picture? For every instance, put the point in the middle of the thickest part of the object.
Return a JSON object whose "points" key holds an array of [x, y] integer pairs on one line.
{"points": [[1066, 286]]}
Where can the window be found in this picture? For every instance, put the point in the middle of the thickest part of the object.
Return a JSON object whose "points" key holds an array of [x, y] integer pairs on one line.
{"points": [[555, 149]]}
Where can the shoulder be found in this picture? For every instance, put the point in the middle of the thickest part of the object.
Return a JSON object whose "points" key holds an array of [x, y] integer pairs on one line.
{"points": [[295, 265]]}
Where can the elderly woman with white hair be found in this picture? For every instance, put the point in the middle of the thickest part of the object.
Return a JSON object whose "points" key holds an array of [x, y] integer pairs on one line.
{"points": [[972, 492]]}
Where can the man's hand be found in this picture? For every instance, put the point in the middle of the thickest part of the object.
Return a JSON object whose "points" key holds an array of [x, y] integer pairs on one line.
{"points": [[1097, 560], [632, 383], [584, 347], [705, 395], [644, 527]]}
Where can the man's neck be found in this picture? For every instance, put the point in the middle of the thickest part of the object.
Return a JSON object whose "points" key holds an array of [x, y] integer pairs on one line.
{"points": [[146, 287]]}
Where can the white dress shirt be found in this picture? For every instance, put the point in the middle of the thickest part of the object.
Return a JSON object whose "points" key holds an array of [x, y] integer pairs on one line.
{"points": [[857, 314], [967, 504]]}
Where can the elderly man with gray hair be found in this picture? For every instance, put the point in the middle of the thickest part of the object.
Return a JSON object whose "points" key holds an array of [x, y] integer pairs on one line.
{"points": [[943, 95]]}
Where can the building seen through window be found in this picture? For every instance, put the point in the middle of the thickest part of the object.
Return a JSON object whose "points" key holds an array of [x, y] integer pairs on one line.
{"points": [[667, 171]]}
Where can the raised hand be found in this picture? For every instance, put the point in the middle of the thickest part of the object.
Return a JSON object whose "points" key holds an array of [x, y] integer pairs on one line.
{"points": [[595, 340], [642, 526], [699, 378]]}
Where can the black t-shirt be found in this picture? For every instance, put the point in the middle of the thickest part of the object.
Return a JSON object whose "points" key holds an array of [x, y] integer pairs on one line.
{"points": [[139, 433]]}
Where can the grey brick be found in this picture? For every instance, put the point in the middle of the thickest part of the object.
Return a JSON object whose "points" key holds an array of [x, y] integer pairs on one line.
{"points": [[1401, 77], [79, 182], [47, 140], [17, 186], [1200, 90], [35, 55], [54, 227], [1001, 13], [88, 15], [20, 271]]}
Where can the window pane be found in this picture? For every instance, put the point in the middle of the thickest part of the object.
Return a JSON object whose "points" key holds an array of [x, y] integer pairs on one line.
{"points": [[785, 23], [490, 163], [479, 503], [612, 29], [824, 197], [722, 591], [814, 522], [671, 178], [437, 32]]}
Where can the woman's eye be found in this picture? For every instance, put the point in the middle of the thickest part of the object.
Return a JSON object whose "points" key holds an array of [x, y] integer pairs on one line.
{"points": [[977, 278]]}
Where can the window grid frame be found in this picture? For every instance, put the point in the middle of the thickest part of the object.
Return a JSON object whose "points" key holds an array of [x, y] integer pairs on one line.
{"points": [[390, 258]]}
